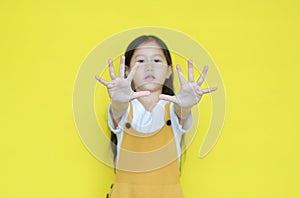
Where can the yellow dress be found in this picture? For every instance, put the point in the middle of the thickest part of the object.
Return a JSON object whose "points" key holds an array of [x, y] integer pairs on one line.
{"points": [[148, 163]]}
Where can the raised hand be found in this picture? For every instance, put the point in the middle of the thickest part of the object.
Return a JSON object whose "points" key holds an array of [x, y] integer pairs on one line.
{"points": [[190, 92], [119, 89]]}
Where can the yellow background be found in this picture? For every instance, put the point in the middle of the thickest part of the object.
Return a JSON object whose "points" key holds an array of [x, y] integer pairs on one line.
{"points": [[254, 43]]}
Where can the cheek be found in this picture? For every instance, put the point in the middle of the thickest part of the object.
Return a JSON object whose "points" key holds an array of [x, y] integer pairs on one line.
{"points": [[139, 72], [137, 78], [163, 73]]}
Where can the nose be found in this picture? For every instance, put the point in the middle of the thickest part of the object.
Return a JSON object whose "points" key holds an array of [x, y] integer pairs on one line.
{"points": [[148, 67]]}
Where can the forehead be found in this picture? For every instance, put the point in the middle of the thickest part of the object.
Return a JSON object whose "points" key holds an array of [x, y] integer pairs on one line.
{"points": [[150, 47], [149, 44]]}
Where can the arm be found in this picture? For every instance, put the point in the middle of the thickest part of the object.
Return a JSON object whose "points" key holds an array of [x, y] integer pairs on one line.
{"points": [[116, 126], [180, 125], [182, 113], [117, 110]]}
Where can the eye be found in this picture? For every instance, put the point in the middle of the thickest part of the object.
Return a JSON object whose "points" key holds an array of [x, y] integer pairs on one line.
{"points": [[157, 60], [140, 60]]}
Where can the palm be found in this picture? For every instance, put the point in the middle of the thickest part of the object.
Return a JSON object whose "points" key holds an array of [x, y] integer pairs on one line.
{"points": [[119, 89], [190, 92]]}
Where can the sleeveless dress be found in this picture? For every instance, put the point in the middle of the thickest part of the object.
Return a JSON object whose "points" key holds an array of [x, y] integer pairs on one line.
{"points": [[148, 164]]}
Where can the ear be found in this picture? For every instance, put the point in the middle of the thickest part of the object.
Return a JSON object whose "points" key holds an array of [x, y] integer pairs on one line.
{"points": [[170, 71]]}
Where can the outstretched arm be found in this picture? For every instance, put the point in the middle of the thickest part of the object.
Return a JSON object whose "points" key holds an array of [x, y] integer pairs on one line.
{"points": [[190, 92], [119, 90]]}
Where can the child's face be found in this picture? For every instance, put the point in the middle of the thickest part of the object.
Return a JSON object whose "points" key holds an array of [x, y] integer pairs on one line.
{"points": [[153, 69]]}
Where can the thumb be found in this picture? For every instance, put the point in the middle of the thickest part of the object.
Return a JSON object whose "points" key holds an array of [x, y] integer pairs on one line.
{"points": [[138, 94], [168, 98]]}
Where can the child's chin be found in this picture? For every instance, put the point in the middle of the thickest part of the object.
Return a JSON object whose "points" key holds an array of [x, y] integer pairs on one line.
{"points": [[151, 86]]}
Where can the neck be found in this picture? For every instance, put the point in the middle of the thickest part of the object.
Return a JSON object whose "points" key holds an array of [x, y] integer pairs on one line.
{"points": [[151, 100]]}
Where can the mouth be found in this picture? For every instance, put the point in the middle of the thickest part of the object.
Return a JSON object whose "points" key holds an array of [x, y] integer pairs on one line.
{"points": [[149, 77]]}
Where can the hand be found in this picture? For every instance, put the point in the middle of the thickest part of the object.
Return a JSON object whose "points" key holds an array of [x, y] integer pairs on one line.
{"points": [[119, 89], [190, 92]]}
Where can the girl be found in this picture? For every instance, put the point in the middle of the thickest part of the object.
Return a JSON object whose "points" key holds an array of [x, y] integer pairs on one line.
{"points": [[148, 120]]}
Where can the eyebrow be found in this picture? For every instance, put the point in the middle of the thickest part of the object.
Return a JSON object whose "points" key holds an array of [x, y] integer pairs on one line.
{"points": [[144, 55]]}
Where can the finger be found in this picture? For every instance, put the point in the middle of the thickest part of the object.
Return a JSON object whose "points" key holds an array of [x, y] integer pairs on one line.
{"points": [[180, 75], [168, 98], [132, 71], [191, 71], [122, 67], [139, 94], [111, 69], [102, 81], [209, 90], [202, 77]]}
